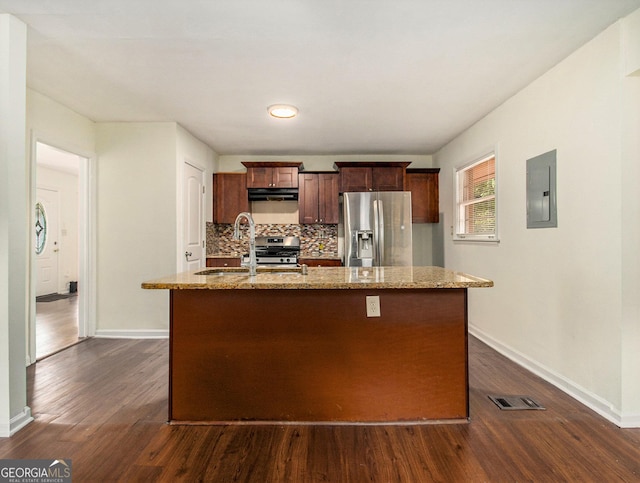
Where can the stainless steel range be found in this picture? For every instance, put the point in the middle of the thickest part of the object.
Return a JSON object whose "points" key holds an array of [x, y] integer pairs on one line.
{"points": [[276, 250]]}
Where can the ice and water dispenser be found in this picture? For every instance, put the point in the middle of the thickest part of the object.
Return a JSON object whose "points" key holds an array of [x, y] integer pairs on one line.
{"points": [[364, 244]]}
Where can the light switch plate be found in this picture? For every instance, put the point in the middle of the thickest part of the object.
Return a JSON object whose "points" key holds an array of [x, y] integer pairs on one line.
{"points": [[373, 306]]}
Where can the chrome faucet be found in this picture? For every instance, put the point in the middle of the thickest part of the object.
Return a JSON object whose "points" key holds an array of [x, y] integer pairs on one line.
{"points": [[252, 239]]}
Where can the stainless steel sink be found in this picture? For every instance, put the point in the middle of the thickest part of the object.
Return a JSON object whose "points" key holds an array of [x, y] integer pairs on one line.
{"points": [[241, 271], [224, 271], [280, 270]]}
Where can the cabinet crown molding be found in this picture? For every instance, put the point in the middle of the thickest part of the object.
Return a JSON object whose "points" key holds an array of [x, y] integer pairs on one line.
{"points": [[423, 170], [371, 164], [273, 164]]}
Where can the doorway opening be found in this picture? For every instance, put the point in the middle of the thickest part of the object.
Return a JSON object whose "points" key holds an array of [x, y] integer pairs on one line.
{"points": [[58, 238]]}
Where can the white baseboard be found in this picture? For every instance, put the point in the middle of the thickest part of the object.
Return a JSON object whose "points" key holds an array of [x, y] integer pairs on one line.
{"points": [[133, 334], [16, 423], [630, 421], [592, 401]]}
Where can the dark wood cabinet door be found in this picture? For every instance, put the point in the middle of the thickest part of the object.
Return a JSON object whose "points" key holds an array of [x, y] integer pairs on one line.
{"points": [[328, 198], [423, 185], [308, 198], [372, 176], [318, 198], [229, 196], [285, 177], [320, 262], [388, 179], [259, 177], [272, 174], [355, 179], [223, 262]]}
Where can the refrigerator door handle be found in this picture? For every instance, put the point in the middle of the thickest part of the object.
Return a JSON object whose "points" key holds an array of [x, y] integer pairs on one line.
{"points": [[376, 229], [379, 234]]}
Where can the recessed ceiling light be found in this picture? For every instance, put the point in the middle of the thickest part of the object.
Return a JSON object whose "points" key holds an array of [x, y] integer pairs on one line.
{"points": [[283, 111]]}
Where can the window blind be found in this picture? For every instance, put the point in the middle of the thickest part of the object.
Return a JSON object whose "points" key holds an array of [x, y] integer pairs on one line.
{"points": [[477, 198]]}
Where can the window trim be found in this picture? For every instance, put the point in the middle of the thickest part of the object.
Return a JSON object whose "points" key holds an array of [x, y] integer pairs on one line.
{"points": [[483, 238]]}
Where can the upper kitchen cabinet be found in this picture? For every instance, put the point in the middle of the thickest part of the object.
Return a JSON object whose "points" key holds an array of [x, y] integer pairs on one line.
{"points": [[272, 174], [329, 198], [229, 196], [318, 198], [423, 184], [362, 176]]}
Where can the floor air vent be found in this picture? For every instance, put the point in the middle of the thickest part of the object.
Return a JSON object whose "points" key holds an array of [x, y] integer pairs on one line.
{"points": [[512, 403]]}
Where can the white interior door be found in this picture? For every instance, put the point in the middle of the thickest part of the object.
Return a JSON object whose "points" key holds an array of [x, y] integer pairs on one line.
{"points": [[47, 248], [193, 218]]}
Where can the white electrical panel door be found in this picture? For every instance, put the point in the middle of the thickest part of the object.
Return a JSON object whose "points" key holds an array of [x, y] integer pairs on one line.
{"points": [[541, 191]]}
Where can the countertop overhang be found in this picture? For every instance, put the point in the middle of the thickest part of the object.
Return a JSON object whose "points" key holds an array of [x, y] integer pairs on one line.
{"points": [[325, 278]]}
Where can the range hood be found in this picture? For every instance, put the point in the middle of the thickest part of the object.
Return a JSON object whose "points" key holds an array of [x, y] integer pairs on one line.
{"points": [[273, 194]]}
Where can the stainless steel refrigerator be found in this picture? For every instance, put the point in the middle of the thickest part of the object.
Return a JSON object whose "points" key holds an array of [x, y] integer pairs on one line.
{"points": [[377, 229]]}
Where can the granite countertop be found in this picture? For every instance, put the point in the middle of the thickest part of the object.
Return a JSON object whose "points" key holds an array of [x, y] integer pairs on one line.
{"points": [[320, 278]]}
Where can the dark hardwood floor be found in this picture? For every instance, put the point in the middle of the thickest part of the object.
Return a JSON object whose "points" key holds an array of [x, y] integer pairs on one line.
{"points": [[103, 404], [56, 325]]}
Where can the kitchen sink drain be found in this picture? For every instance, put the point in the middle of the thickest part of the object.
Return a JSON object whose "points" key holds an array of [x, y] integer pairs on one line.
{"points": [[512, 403]]}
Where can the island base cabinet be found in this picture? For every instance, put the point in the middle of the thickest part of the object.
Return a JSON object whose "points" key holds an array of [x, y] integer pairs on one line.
{"points": [[315, 356]]}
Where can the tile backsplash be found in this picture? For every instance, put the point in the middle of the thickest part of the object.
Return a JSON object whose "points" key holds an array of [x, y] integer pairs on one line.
{"points": [[313, 238]]}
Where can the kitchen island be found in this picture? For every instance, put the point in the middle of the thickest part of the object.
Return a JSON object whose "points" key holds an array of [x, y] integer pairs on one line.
{"points": [[288, 346]]}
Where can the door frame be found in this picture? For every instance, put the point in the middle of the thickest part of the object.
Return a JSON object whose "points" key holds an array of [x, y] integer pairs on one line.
{"points": [[181, 207], [86, 243]]}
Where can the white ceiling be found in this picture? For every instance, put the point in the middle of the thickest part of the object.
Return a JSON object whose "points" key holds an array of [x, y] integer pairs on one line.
{"points": [[369, 76]]}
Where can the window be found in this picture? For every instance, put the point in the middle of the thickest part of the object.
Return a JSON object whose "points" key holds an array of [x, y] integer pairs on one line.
{"points": [[41, 228], [476, 200]]}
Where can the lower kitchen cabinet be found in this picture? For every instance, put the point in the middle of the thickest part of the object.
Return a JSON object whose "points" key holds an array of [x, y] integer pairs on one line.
{"points": [[320, 262], [223, 262]]}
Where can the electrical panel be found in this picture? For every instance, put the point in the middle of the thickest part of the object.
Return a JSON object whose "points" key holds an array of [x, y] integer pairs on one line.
{"points": [[542, 209]]}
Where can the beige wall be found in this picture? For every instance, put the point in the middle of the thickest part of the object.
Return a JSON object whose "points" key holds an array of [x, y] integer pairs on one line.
{"points": [[139, 214], [631, 44], [136, 223], [630, 214], [559, 295], [14, 226]]}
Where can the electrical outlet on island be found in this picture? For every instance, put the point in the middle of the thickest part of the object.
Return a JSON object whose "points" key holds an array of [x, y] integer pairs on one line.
{"points": [[373, 306]]}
